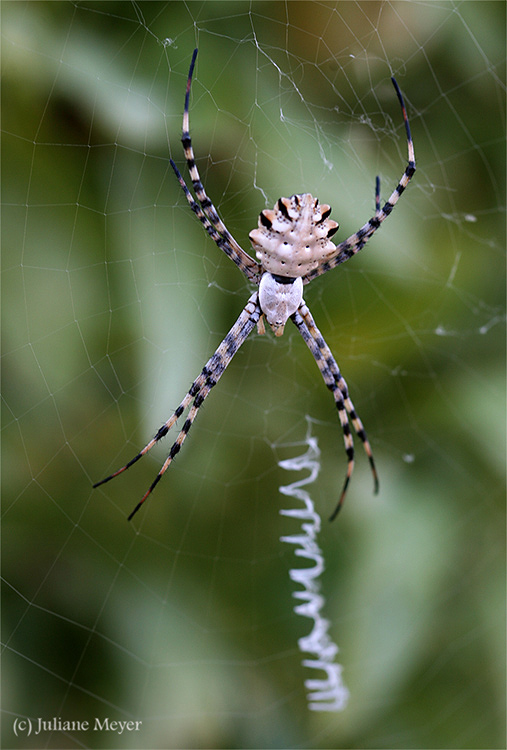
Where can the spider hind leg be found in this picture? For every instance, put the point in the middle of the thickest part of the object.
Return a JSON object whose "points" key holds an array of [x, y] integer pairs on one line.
{"points": [[203, 207]]}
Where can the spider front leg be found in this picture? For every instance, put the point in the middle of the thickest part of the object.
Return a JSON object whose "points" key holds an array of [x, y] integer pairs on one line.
{"points": [[199, 390], [334, 380], [331, 362]]}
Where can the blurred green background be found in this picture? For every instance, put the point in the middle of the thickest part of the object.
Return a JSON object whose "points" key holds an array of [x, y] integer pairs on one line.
{"points": [[114, 298]]}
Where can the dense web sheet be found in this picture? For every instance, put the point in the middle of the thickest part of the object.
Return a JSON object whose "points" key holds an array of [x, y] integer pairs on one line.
{"points": [[114, 298]]}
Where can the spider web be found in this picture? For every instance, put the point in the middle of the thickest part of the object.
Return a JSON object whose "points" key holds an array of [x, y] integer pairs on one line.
{"points": [[114, 297]]}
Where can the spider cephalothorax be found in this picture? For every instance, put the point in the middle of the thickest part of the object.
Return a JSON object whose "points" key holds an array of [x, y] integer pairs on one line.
{"points": [[293, 246]]}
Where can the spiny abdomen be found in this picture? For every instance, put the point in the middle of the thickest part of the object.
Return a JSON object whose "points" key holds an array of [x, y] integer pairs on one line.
{"points": [[293, 238]]}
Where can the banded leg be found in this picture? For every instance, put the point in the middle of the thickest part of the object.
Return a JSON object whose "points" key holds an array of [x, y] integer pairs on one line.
{"points": [[199, 390], [337, 385], [331, 383], [245, 263], [377, 195], [222, 242], [354, 243], [333, 366]]}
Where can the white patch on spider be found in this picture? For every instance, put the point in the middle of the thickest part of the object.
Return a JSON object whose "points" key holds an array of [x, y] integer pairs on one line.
{"points": [[293, 238], [279, 301]]}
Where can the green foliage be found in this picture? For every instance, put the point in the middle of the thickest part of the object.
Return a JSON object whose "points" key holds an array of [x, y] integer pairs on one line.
{"points": [[114, 298]]}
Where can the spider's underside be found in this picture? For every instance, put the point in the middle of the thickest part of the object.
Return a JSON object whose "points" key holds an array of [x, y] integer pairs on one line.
{"points": [[292, 245]]}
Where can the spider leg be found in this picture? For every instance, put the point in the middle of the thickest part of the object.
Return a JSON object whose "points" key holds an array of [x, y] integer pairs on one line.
{"points": [[356, 241], [222, 242], [199, 390], [193, 391], [337, 385], [333, 386], [228, 244], [327, 354]]}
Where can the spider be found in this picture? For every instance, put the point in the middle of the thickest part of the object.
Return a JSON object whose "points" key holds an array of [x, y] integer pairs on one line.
{"points": [[293, 246]]}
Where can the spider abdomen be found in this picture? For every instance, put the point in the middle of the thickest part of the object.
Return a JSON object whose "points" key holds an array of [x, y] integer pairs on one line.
{"points": [[293, 238]]}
